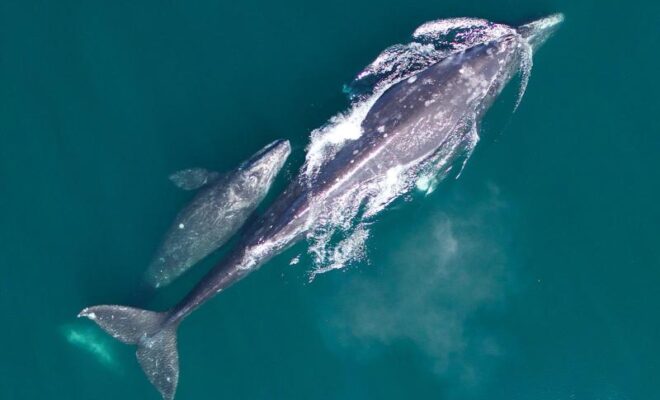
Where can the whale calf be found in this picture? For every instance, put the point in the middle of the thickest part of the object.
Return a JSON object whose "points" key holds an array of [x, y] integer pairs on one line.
{"points": [[417, 122], [223, 204]]}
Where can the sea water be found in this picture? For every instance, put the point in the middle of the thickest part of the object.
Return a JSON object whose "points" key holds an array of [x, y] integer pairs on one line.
{"points": [[532, 275]]}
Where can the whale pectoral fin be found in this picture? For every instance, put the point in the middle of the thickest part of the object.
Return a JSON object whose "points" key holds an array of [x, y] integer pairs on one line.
{"points": [[193, 178]]}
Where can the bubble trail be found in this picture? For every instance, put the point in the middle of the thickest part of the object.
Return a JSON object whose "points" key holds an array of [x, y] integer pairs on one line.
{"points": [[90, 340]]}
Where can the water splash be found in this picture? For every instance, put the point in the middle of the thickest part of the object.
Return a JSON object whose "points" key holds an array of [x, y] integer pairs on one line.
{"points": [[457, 34], [395, 63], [327, 140], [350, 249], [525, 68]]}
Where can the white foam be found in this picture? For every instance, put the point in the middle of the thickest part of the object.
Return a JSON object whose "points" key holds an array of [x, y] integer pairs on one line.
{"points": [[351, 249], [526, 63], [460, 33], [326, 141], [437, 28]]}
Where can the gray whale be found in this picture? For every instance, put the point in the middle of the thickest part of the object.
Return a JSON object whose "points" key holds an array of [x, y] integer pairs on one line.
{"points": [[220, 208], [410, 123]]}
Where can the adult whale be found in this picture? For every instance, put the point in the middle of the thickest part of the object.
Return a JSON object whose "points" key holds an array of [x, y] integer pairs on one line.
{"points": [[408, 125], [220, 208]]}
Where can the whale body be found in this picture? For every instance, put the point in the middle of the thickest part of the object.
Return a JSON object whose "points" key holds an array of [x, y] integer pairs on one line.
{"points": [[220, 208], [418, 121]]}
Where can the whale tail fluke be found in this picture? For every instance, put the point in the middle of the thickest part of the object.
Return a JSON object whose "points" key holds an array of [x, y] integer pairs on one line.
{"points": [[156, 342]]}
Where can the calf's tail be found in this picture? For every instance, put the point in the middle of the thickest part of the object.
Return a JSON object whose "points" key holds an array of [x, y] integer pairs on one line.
{"points": [[155, 340]]}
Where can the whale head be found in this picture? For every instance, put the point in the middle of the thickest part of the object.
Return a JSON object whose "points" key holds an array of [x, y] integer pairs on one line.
{"points": [[447, 99], [510, 54], [260, 170]]}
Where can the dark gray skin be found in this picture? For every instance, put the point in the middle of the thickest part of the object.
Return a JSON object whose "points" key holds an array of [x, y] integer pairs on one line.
{"points": [[408, 124], [217, 212]]}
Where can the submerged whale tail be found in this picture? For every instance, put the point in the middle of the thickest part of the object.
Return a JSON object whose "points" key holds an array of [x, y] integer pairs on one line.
{"points": [[156, 342]]}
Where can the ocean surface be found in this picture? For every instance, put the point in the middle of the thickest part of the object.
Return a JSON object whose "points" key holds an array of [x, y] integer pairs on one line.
{"points": [[535, 275]]}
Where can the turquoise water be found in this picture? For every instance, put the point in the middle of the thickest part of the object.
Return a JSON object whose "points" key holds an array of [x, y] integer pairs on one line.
{"points": [[533, 276]]}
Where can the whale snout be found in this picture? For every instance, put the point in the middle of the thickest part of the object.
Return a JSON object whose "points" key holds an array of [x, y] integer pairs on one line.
{"points": [[274, 155], [280, 150], [538, 31], [263, 167], [271, 154]]}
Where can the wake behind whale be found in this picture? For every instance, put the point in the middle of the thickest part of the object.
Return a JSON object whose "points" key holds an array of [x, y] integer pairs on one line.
{"points": [[416, 111]]}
